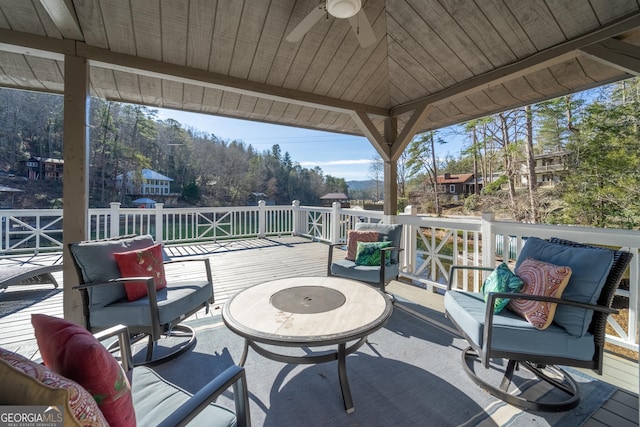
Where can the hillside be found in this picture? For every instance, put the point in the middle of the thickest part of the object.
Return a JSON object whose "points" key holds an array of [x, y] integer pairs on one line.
{"points": [[34, 194]]}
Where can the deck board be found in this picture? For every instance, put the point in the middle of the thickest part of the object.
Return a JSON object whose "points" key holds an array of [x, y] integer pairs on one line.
{"points": [[238, 264]]}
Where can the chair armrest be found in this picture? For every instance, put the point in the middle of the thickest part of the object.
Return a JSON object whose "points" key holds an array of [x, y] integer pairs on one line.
{"points": [[464, 267], [151, 293], [330, 257], [207, 267], [232, 376], [595, 307], [489, 314], [113, 282], [122, 332]]}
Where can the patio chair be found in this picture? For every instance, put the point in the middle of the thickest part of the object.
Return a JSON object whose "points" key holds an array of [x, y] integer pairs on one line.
{"points": [[160, 403], [388, 266], [157, 311], [88, 385], [574, 336]]}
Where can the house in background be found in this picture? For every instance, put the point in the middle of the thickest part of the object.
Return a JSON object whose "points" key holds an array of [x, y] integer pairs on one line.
{"points": [[42, 168], [148, 183], [551, 168], [458, 184], [329, 198]]}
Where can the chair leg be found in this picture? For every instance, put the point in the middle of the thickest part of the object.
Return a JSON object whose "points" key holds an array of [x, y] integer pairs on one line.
{"points": [[178, 331], [559, 379]]}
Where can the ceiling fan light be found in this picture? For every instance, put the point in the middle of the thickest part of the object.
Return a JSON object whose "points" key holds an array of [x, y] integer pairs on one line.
{"points": [[343, 8]]}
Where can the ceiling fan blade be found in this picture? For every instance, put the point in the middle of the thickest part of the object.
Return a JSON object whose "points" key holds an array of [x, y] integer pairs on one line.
{"points": [[362, 28], [305, 25]]}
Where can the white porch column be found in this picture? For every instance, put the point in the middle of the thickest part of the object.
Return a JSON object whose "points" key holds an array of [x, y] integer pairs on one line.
{"points": [[488, 240], [262, 219], [334, 236], [297, 220], [75, 177], [159, 216]]}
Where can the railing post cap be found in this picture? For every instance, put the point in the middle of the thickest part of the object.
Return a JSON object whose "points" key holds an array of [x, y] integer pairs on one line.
{"points": [[488, 216]]}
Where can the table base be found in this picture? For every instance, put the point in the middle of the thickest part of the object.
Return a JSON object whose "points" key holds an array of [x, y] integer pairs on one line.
{"points": [[340, 355]]}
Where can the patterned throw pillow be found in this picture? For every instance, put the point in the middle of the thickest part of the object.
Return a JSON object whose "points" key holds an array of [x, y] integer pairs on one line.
{"points": [[26, 382], [501, 279], [355, 236], [73, 352], [141, 263], [540, 278], [368, 253]]}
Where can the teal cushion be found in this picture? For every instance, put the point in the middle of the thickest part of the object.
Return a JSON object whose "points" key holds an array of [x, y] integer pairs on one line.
{"points": [[502, 279], [369, 253], [155, 399], [590, 268]]}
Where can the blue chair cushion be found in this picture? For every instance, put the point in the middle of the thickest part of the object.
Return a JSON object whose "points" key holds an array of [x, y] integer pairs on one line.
{"points": [[512, 333], [173, 302], [590, 268], [97, 264], [363, 273], [155, 399]]}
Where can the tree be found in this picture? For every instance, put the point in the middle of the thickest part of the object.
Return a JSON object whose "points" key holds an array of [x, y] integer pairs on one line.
{"points": [[603, 189], [376, 173], [422, 160], [402, 173], [556, 122], [532, 181]]}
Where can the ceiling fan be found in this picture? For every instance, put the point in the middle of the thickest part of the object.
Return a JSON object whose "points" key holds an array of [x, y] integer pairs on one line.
{"points": [[351, 9]]}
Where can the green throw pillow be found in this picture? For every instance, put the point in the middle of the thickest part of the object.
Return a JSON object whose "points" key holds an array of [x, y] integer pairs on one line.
{"points": [[502, 279], [368, 253]]}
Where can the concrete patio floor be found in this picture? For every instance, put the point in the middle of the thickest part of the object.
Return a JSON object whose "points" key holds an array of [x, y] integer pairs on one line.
{"points": [[238, 264]]}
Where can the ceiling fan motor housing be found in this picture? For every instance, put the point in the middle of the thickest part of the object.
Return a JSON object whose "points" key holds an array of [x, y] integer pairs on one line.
{"points": [[343, 8]]}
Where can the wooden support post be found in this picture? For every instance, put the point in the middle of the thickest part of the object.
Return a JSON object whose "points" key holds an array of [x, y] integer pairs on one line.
{"points": [[76, 175]]}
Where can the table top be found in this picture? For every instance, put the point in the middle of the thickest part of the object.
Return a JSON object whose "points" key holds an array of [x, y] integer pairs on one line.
{"points": [[309, 311]]}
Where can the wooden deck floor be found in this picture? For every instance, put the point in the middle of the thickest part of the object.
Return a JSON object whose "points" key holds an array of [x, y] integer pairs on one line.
{"points": [[239, 264]]}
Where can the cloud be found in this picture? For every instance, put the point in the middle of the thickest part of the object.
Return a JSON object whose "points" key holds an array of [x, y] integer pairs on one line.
{"points": [[336, 163]]}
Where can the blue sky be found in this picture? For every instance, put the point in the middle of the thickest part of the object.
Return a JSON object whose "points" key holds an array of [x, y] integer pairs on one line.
{"points": [[342, 156]]}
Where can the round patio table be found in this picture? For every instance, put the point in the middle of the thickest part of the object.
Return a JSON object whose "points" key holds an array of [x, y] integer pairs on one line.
{"points": [[308, 312]]}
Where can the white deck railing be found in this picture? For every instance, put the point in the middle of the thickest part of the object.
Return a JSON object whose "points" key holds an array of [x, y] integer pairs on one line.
{"points": [[431, 244]]}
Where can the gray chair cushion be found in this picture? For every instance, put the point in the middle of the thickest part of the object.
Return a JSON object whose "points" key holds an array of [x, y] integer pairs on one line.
{"points": [[390, 232], [173, 302], [154, 399], [590, 268], [98, 265], [512, 333], [364, 273]]}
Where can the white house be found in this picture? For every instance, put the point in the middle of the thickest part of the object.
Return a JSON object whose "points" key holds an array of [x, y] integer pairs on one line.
{"points": [[147, 183], [551, 168]]}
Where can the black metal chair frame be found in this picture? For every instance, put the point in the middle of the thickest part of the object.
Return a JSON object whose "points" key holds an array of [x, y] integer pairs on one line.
{"points": [[381, 282], [172, 328], [234, 376], [545, 368]]}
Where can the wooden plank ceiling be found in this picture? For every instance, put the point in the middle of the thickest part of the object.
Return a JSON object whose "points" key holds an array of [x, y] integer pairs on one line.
{"points": [[463, 58]]}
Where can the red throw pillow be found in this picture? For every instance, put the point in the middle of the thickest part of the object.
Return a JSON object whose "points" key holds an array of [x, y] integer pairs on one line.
{"points": [[141, 263], [355, 236], [71, 351]]}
